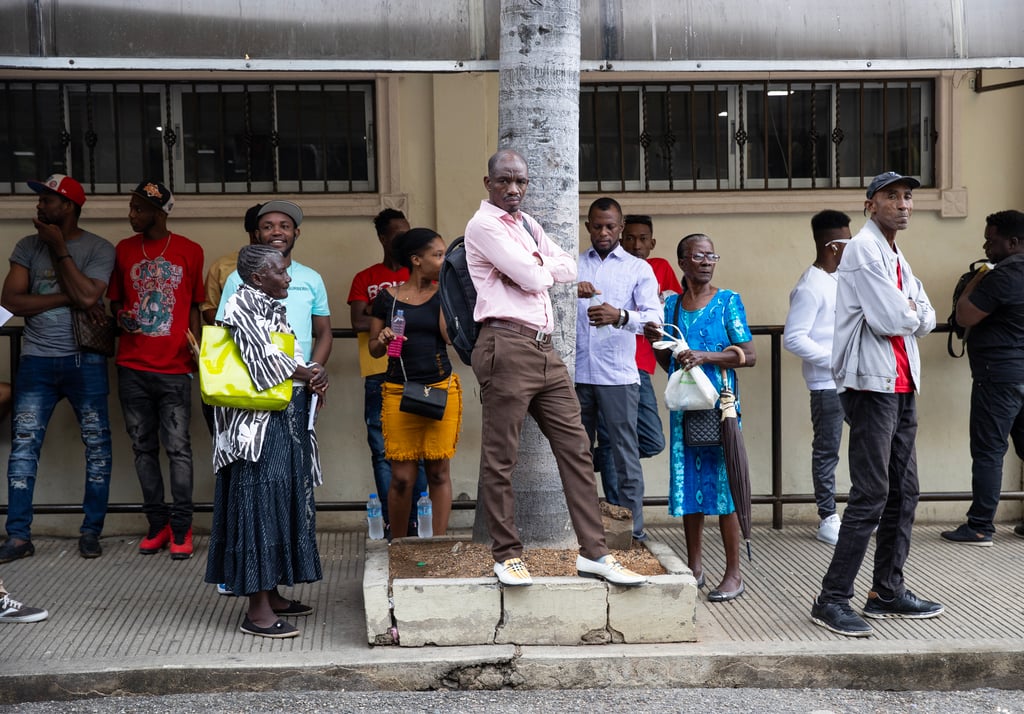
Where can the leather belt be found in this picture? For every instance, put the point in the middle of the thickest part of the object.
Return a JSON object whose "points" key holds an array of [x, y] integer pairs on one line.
{"points": [[535, 335]]}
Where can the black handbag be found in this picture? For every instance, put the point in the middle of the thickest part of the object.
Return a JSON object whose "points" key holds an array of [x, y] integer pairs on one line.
{"points": [[702, 427], [424, 400]]}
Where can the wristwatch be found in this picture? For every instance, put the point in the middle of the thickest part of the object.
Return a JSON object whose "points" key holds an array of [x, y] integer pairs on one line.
{"points": [[623, 318]]}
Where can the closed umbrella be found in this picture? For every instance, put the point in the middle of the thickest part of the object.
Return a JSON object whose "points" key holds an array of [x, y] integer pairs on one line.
{"points": [[736, 464]]}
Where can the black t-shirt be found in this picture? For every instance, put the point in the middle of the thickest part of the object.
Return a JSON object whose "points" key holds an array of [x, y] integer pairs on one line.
{"points": [[424, 351], [996, 344]]}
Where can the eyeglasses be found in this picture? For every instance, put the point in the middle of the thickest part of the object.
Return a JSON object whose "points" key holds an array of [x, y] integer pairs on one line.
{"points": [[839, 241], [701, 257]]}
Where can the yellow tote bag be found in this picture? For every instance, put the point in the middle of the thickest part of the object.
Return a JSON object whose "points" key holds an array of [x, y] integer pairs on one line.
{"points": [[224, 379]]}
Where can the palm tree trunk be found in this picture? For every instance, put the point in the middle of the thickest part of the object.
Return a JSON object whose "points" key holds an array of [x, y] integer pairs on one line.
{"points": [[538, 116]]}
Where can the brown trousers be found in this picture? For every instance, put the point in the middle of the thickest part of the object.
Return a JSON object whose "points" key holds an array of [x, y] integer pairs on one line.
{"points": [[517, 376]]}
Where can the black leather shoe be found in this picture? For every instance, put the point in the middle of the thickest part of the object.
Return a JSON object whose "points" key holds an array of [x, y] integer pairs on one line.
{"points": [[9, 551], [907, 606], [839, 618], [717, 595], [1018, 530], [89, 546]]}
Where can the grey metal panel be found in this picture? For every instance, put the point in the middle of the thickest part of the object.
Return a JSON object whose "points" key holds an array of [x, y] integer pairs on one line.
{"points": [[296, 29], [17, 27], [392, 31], [994, 28], [647, 30]]}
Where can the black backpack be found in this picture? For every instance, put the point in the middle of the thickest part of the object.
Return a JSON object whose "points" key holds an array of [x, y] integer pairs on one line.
{"points": [[956, 329], [458, 298]]}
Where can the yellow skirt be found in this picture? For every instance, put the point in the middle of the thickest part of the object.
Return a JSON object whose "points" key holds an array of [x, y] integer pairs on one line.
{"points": [[410, 437]]}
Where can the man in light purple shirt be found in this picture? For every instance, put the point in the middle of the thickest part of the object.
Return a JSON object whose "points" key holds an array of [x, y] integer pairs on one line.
{"points": [[607, 381], [513, 263]]}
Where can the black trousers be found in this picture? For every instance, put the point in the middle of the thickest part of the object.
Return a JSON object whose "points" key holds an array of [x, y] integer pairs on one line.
{"points": [[883, 492]]}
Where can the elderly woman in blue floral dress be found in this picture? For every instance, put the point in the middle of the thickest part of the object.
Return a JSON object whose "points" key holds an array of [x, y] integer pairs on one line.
{"points": [[714, 323]]}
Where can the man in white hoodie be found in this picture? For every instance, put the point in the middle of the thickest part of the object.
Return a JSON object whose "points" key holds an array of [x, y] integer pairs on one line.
{"points": [[881, 311], [808, 334]]}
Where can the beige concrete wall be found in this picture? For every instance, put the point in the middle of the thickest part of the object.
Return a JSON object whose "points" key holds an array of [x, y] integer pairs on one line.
{"points": [[440, 132]]}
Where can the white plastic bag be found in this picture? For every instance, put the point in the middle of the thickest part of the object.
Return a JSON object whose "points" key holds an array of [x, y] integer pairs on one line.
{"points": [[687, 390]]}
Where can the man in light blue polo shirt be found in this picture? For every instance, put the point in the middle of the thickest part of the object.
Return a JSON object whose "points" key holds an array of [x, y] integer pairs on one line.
{"points": [[308, 312], [277, 225]]}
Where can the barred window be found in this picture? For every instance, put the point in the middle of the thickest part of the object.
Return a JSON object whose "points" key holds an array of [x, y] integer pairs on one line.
{"points": [[195, 137], [754, 135]]}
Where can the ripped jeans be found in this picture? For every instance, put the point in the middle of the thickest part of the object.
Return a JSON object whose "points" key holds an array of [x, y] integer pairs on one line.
{"points": [[40, 383]]}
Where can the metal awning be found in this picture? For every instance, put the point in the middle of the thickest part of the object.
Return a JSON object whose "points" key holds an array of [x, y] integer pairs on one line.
{"points": [[462, 35]]}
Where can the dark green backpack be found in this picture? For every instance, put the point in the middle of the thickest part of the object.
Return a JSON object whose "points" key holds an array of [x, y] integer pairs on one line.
{"points": [[955, 328]]}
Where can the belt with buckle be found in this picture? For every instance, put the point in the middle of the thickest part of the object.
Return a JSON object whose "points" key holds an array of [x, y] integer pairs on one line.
{"points": [[535, 335]]}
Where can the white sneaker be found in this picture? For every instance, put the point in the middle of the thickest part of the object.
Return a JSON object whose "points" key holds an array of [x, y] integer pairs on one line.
{"points": [[223, 589], [513, 572], [828, 529], [13, 611], [608, 568]]}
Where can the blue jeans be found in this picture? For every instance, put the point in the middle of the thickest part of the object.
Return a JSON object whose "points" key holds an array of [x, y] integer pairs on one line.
{"points": [[617, 404], [650, 438], [157, 409], [372, 403], [883, 493], [827, 422], [41, 382], [997, 414]]}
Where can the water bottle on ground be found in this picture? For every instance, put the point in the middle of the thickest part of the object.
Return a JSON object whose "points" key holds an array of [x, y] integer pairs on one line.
{"points": [[398, 327], [425, 516], [604, 331], [375, 517]]}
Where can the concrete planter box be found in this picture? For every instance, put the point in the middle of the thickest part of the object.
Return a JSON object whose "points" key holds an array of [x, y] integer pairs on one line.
{"points": [[553, 611]]}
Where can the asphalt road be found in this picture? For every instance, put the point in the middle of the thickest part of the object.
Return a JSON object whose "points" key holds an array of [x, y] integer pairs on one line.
{"points": [[628, 701]]}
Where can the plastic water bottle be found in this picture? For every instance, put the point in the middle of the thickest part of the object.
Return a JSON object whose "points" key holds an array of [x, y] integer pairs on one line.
{"points": [[425, 516], [375, 517], [604, 331], [398, 327]]}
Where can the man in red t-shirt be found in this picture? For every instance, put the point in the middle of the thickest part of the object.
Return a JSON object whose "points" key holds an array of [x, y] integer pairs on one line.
{"points": [[365, 287], [638, 240], [155, 292]]}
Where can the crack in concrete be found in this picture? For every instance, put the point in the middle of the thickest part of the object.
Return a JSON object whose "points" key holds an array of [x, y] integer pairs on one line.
{"points": [[487, 676]]}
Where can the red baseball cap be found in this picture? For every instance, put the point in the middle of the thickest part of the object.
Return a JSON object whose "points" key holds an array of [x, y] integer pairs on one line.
{"points": [[62, 186]]}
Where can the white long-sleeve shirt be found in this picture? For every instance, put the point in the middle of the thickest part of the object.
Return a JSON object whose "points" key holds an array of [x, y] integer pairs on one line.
{"points": [[810, 323]]}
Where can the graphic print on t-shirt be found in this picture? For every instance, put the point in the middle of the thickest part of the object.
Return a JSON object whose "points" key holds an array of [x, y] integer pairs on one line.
{"points": [[154, 282]]}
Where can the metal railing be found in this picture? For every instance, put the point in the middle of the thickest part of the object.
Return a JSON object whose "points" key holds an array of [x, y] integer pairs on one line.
{"points": [[777, 499]]}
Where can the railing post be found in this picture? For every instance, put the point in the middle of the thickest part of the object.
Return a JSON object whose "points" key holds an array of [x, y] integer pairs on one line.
{"points": [[776, 372]]}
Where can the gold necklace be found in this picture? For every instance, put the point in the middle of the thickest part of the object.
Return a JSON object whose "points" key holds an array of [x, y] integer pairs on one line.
{"points": [[167, 243]]}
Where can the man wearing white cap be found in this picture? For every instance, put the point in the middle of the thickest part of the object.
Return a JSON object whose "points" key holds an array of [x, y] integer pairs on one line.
{"points": [[308, 311], [155, 292], [881, 311], [60, 268]]}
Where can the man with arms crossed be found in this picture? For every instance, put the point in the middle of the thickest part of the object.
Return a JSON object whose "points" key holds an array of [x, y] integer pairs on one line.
{"points": [[881, 310], [513, 263]]}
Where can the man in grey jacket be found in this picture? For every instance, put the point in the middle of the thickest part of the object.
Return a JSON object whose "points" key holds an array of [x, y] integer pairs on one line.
{"points": [[881, 310]]}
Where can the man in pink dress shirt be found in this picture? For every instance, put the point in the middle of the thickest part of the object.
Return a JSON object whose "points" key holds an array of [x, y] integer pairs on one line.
{"points": [[513, 263]]}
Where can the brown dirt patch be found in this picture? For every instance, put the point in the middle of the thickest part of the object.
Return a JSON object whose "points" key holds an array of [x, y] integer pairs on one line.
{"points": [[464, 559]]}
